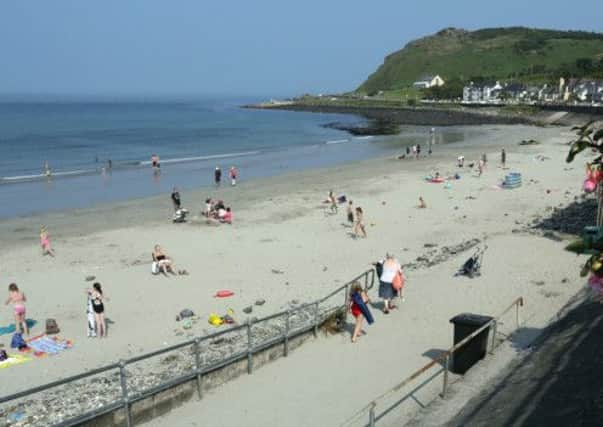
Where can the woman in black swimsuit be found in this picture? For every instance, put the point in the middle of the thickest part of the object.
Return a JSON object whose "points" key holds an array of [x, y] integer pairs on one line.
{"points": [[163, 261], [99, 309]]}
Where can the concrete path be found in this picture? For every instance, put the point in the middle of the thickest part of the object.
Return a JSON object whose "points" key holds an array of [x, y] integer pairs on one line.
{"points": [[557, 384], [327, 380]]}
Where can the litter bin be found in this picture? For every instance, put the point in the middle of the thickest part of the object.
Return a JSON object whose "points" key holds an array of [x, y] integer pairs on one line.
{"points": [[473, 351]]}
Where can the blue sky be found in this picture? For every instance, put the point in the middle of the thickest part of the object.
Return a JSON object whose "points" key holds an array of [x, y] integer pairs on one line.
{"points": [[255, 47]]}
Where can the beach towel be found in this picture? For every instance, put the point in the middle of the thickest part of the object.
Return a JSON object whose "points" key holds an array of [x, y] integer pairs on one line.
{"points": [[357, 298], [44, 344], [11, 329], [14, 359]]}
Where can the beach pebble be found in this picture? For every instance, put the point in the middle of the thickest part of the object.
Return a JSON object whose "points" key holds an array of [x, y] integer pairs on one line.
{"points": [[275, 271], [260, 302], [90, 278], [248, 310]]}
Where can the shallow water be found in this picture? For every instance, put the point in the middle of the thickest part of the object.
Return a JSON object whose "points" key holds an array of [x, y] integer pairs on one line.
{"points": [[78, 139]]}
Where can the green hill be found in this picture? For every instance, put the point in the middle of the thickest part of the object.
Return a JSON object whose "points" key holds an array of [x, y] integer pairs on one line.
{"points": [[515, 53]]}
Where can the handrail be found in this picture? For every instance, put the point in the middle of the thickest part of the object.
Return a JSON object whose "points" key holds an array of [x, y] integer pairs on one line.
{"points": [[444, 357], [125, 402]]}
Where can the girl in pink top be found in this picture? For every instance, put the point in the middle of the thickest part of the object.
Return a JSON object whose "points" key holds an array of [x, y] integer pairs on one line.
{"points": [[45, 242], [17, 299]]}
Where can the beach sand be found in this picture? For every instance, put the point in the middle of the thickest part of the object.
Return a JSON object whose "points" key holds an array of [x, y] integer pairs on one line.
{"points": [[281, 224]]}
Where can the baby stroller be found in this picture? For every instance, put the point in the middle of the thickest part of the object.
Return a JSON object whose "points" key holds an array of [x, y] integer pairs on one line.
{"points": [[180, 216], [472, 267]]}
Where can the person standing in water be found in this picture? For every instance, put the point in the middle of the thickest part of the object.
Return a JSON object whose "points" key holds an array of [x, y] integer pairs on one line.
{"points": [[233, 175], [17, 299], [47, 171], [217, 176]]}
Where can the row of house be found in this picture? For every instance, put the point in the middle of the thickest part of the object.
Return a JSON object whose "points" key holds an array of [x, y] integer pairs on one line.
{"points": [[570, 90]]}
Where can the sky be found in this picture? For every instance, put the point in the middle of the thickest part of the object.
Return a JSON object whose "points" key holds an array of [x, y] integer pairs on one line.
{"points": [[233, 47]]}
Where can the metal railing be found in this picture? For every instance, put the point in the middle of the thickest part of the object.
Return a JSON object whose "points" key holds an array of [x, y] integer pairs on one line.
{"points": [[297, 321], [443, 359]]}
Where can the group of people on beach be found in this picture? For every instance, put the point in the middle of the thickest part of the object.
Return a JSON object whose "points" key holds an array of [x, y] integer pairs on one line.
{"points": [[215, 209], [233, 174], [355, 216]]}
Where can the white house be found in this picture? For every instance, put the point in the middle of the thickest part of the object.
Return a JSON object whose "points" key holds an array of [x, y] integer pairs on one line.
{"points": [[487, 92], [427, 81]]}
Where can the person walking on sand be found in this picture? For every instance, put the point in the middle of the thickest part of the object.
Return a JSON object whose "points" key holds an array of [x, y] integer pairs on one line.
{"points": [[233, 175], [359, 309], [422, 204], [503, 158], [333, 202], [176, 199], [45, 242], [418, 150], [17, 299], [359, 225], [391, 267], [217, 176], [480, 167], [96, 293], [350, 213]]}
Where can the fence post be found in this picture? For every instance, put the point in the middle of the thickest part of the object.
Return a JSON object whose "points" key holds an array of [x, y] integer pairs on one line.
{"points": [[372, 415], [287, 327], [198, 367], [124, 391], [315, 319], [446, 368], [494, 327], [249, 348], [516, 315]]}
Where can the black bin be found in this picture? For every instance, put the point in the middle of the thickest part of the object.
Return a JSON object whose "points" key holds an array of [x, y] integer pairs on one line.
{"points": [[473, 351]]}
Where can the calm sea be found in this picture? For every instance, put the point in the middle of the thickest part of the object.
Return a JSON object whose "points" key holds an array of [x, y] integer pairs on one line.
{"points": [[80, 139]]}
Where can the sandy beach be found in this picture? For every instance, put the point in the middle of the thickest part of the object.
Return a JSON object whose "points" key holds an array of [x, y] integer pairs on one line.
{"points": [[281, 224]]}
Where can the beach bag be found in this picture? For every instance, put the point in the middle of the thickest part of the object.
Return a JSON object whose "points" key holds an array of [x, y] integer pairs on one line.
{"points": [[398, 282], [52, 327], [3, 356], [17, 341], [155, 267]]}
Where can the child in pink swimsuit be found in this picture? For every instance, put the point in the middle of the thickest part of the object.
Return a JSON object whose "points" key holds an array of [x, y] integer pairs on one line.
{"points": [[17, 298], [45, 242]]}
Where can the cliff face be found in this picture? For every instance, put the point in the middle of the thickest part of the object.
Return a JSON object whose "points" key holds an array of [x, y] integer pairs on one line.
{"points": [[497, 53]]}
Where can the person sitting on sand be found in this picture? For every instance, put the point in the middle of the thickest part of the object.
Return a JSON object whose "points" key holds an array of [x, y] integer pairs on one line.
{"points": [[460, 161], [391, 267], [422, 204], [96, 293], [165, 263], [227, 216], [209, 207], [355, 308], [359, 225], [17, 299], [45, 242]]}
